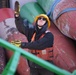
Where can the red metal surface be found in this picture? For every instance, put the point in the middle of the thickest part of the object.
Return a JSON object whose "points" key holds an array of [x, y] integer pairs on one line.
{"points": [[23, 68], [66, 22], [6, 13], [2, 60], [64, 50], [9, 32]]}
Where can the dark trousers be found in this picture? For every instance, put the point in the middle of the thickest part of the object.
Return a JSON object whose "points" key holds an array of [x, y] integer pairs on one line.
{"points": [[41, 71]]}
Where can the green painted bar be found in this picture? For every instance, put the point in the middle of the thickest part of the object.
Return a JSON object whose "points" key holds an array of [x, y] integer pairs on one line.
{"points": [[74, 72], [12, 64], [33, 58]]}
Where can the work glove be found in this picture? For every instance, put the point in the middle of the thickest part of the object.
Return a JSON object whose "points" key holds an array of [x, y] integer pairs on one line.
{"points": [[16, 43], [17, 9]]}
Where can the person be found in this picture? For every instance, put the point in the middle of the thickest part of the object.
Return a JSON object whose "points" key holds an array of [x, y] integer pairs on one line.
{"points": [[40, 41]]}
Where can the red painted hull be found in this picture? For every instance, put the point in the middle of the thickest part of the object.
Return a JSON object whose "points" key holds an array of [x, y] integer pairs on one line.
{"points": [[6, 13], [64, 50], [2, 59], [9, 32], [66, 22], [23, 68]]}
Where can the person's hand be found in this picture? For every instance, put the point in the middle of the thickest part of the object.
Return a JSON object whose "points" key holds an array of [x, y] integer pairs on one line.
{"points": [[17, 9], [16, 14], [16, 43]]}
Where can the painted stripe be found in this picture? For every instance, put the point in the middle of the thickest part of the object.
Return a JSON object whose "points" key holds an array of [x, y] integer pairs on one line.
{"points": [[64, 11], [50, 12]]}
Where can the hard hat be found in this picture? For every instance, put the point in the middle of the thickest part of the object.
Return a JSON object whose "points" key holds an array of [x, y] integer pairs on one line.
{"points": [[45, 16]]}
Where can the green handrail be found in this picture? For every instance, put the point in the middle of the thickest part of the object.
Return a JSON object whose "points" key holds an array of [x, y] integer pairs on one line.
{"points": [[12, 64], [18, 51]]}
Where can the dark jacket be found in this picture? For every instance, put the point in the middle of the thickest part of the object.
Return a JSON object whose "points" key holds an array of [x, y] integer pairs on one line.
{"points": [[28, 30]]}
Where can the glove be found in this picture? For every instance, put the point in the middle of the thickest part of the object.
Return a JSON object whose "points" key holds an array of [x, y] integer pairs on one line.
{"points": [[16, 43], [17, 9]]}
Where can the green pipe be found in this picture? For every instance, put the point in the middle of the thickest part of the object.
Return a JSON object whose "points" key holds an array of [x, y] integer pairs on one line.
{"points": [[30, 14], [74, 72], [35, 59], [12, 64]]}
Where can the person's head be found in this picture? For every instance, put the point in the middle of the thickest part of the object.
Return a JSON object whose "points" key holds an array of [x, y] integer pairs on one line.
{"points": [[41, 20]]}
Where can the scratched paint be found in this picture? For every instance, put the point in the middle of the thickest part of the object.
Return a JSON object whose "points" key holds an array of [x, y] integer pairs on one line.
{"points": [[64, 50], [66, 23], [65, 30], [7, 27], [9, 32]]}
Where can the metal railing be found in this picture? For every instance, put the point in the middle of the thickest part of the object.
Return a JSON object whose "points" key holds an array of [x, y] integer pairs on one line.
{"points": [[13, 62]]}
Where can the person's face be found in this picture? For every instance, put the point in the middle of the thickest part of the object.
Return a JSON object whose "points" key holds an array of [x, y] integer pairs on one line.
{"points": [[41, 21]]}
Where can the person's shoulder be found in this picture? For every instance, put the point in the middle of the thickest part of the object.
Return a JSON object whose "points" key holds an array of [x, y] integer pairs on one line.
{"points": [[48, 32], [49, 36]]}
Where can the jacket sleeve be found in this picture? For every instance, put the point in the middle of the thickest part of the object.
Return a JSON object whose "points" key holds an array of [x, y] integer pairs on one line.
{"points": [[45, 42], [20, 25], [24, 27]]}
